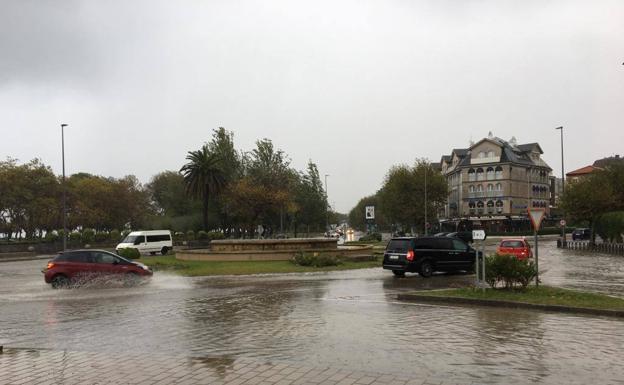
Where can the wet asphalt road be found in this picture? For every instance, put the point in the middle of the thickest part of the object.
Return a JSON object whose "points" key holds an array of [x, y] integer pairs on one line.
{"points": [[346, 319]]}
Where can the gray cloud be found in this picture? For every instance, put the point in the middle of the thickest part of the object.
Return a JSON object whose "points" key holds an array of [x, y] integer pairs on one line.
{"points": [[356, 86]]}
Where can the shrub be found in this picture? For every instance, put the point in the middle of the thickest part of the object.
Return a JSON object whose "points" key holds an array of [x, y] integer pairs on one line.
{"points": [[61, 234], [178, 236], [88, 235], [190, 235], [114, 235], [202, 235], [51, 236], [372, 237], [75, 236], [101, 236], [316, 260], [509, 270], [215, 235], [130, 253]]}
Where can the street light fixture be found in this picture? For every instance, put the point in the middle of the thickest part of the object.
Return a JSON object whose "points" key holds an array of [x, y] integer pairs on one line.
{"points": [[563, 234], [64, 188]]}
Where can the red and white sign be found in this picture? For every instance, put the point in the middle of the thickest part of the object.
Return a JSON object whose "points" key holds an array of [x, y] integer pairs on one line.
{"points": [[536, 216], [562, 222]]}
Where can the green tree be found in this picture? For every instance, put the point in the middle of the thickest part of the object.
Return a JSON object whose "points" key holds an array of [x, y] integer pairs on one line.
{"points": [[168, 194], [584, 201], [222, 145], [270, 168], [203, 177], [29, 198], [309, 203], [357, 217], [402, 197]]}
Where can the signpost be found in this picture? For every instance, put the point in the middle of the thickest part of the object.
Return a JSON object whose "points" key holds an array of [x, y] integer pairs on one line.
{"points": [[536, 216], [369, 216], [479, 235]]}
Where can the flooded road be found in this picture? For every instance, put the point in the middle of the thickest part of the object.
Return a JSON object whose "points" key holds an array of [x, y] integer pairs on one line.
{"points": [[347, 319]]}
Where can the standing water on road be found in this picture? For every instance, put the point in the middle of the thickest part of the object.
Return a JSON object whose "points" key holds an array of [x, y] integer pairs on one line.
{"points": [[345, 319]]}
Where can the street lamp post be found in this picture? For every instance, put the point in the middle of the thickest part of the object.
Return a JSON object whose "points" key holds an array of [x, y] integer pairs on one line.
{"points": [[563, 234], [64, 188], [426, 172]]}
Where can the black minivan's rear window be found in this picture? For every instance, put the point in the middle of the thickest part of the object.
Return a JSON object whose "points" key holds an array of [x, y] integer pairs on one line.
{"points": [[398, 245]]}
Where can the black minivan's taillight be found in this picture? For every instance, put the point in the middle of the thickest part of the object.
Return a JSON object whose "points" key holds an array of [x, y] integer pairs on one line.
{"points": [[410, 255]]}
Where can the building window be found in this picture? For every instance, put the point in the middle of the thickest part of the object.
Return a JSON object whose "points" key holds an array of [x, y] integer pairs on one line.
{"points": [[481, 155], [471, 175], [490, 173], [491, 154], [479, 174], [498, 172], [499, 187]]}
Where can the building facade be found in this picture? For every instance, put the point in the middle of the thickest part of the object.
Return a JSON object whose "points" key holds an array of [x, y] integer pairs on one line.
{"points": [[495, 179]]}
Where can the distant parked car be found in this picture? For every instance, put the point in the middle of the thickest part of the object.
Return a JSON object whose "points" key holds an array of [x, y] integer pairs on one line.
{"points": [[581, 234], [84, 265], [520, 248], [425, 255], [152, 242]]}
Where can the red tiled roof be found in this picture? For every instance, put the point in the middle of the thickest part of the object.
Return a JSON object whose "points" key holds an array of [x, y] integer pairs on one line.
{"points": [[583, 171]]}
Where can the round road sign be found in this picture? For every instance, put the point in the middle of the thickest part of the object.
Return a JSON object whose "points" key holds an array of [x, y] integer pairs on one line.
{"points": [[562, 222]]}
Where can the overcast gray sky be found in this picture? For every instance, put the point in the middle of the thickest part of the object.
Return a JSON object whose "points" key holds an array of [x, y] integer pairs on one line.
{"points": [[357, 86]]}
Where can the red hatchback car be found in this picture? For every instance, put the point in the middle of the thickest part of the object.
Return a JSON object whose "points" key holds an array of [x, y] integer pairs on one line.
{"points": [[518, 247], [82, 265]]}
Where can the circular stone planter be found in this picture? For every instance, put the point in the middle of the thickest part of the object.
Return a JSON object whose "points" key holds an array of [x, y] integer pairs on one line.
{"points": [[271, 249]]}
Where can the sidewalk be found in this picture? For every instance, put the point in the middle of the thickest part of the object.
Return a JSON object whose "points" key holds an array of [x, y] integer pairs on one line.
{"points": [[29, 366]]}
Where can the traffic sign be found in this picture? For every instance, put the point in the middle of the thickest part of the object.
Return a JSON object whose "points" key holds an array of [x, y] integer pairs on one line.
{"points": [[562, 222], [478, 235], [370, 212], [536, 216]]}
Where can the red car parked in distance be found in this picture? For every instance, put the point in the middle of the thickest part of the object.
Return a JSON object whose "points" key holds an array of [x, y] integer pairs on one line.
{"points": [[84, 265], [517, 247]]}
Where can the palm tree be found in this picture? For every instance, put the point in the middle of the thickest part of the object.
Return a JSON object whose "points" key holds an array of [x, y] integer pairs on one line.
{"points": [[203, 177]]}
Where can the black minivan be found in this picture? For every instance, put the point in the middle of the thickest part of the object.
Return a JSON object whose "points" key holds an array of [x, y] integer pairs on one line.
{"points": [[428, 254]]}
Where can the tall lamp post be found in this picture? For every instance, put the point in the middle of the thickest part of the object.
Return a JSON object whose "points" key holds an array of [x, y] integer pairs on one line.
{"points": [[426, 172], [64, 188], [327, 203], [563, 234]]}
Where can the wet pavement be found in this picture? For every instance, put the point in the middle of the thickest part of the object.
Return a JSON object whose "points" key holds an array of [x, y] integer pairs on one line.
{"points": [[338, 321]]}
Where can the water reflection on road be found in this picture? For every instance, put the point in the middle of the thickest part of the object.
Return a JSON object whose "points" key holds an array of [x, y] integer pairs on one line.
{"points": [[346, 319]]}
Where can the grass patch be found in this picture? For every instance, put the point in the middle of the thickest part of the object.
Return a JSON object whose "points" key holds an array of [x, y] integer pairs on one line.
{"points": [[201, 268], [544, 295]]}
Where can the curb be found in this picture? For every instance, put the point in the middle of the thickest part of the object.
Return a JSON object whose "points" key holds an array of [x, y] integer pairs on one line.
{"points": [[508, 304]]}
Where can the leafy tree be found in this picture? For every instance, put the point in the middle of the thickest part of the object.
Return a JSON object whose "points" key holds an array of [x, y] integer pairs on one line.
{"points": [[402, 197], [28, 198], [583, 200], [357, 217], [203, 177], [310, 200], [222, 145], [168, 194], [610, 226]]}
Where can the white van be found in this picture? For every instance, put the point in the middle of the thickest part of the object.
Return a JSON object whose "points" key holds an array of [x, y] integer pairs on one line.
{"points": [[152, 241]]}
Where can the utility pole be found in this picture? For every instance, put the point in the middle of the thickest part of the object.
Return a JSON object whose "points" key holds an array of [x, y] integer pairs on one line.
{"points": [[426, 172], [64, 188], [563, 234]]}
